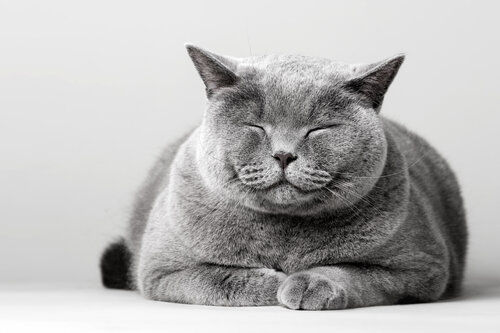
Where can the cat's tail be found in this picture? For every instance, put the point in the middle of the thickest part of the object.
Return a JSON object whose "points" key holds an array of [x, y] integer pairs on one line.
{"points": [[115, 266]]}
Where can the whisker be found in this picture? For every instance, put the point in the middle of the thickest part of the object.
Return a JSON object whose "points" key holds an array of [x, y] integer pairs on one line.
{"points": [[359, 197], [350, 205], [412, 164]]}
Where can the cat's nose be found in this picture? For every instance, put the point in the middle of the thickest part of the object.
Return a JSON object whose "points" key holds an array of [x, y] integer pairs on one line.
{"points": [[284, 158]]}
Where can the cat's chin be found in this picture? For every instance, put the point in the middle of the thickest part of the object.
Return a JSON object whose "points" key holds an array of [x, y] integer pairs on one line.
{"points": [[285, 193], [284, 198], [297, 209]]}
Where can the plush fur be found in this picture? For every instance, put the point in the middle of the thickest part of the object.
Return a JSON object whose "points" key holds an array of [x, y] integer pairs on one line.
{"points": [[364, 213]]}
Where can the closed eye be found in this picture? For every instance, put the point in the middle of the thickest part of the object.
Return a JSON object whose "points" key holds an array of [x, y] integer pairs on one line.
{"points": [[256, 127], [317, 129]]}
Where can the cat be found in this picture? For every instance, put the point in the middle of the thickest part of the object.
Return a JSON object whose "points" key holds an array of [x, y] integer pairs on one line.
{"points": [[294, 191]]}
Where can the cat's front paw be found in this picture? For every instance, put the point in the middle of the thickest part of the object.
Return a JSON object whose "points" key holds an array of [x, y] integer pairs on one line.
{"points": [[311, 291], [264, 285]]}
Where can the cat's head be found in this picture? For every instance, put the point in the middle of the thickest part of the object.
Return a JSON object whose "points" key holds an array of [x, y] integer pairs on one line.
{"points": [[290, 134]]}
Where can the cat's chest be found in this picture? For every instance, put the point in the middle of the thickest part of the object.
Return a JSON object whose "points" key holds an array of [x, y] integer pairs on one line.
{"points": [[285, 243]]}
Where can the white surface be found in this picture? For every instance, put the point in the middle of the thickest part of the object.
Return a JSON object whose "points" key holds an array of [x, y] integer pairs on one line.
{"points": [[92, 309]]}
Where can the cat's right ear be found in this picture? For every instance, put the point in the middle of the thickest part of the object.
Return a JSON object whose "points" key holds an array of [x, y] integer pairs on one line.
{"points": [[216, 71]]}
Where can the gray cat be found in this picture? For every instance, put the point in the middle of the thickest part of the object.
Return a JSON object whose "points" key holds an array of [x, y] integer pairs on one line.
{"points": [[294, 191]]}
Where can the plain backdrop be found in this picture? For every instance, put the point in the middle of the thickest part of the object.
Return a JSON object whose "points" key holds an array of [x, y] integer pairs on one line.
{"points": [[90, 91]]}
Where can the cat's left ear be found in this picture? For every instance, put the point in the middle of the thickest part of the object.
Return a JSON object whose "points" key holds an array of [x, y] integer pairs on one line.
{"points": [[216, 71], [372, 81]]}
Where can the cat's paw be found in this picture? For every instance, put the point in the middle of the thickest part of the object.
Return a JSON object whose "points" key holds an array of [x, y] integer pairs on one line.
{"points": [[273, 277], [311, 291], [265, 284]]}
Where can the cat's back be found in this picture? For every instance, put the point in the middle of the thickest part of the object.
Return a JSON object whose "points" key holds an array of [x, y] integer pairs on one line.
{"points": [[156, 180], [434, 186], [425, 164]]}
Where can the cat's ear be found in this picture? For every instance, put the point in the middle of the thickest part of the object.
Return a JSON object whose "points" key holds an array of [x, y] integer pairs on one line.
{"points": [[216, 71], [372, 81]]}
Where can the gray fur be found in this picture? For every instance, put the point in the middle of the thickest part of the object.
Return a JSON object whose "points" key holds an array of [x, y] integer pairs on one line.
{"points": [[369, 213]]}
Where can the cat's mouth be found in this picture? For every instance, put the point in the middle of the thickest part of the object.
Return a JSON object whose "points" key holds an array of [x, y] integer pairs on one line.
{"points": [[286, 184], [284, 191], [283, 183], [303, 186], [284, 197]]}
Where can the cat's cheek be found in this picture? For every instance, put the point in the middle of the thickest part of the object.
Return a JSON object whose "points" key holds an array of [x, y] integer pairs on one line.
{"points": [[247, 142], [324, 144], [328, 151]]}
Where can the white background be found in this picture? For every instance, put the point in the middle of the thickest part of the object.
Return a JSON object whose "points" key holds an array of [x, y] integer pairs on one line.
{"points": [[90, 91]]}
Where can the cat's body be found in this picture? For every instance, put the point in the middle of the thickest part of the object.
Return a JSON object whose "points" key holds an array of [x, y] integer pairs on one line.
{"points": [[394, 231]]}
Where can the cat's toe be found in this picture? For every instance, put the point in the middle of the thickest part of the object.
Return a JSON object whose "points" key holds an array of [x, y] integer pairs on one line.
{"points": [[290, 292], [311, 291]]}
